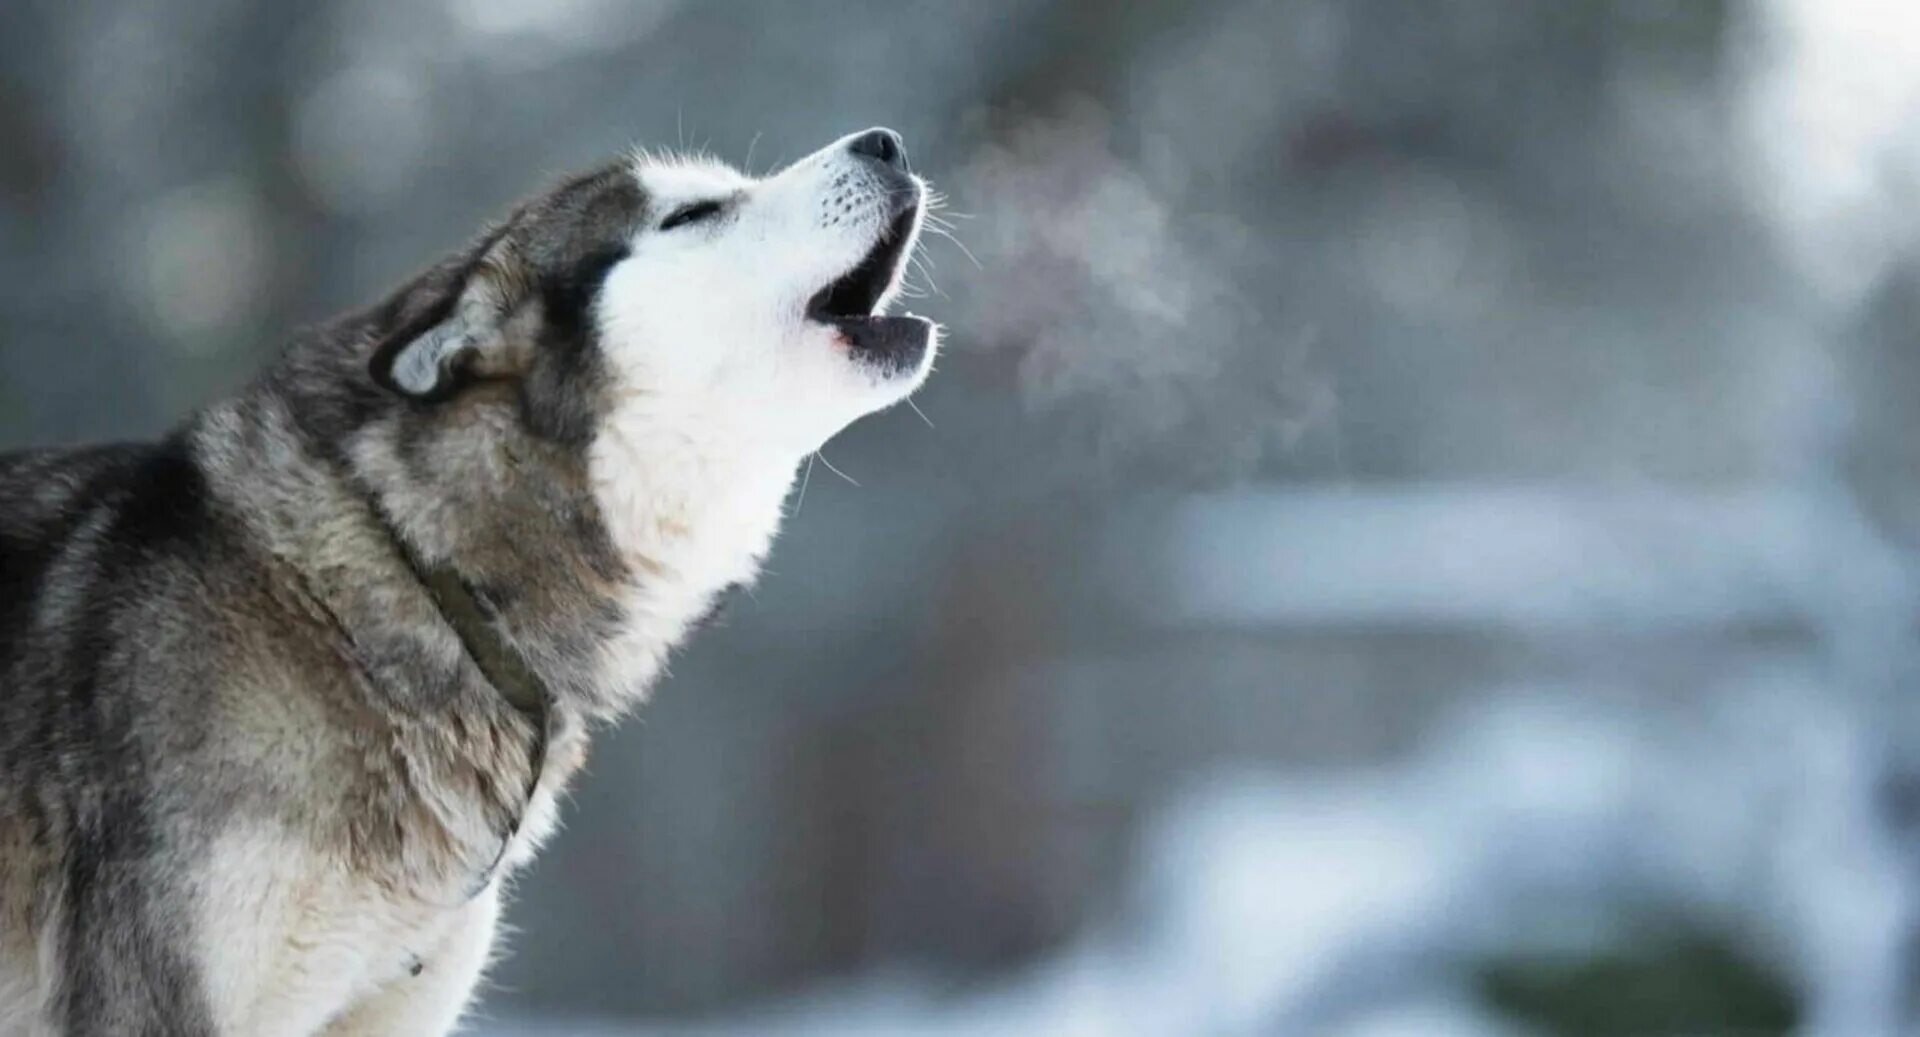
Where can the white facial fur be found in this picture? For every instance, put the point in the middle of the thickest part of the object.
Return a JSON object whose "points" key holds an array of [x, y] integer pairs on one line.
{"points": [[709, 319], [723, 383]]}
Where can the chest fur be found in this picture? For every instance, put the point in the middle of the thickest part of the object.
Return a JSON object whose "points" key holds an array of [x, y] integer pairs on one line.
{"points": [[289, 940]]}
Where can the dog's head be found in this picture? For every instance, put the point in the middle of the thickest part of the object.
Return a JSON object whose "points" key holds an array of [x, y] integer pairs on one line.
{"points": [[685, 296]]}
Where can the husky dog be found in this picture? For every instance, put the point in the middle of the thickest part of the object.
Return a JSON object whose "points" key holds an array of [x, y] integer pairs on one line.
{"points": [[285, 696]]}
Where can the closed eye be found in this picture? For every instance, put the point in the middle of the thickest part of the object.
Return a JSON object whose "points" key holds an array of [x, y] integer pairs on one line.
{"points": [[697, 212]]}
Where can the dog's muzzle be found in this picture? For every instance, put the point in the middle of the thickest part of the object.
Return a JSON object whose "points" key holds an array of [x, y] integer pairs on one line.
{"points": [[850, 303]]}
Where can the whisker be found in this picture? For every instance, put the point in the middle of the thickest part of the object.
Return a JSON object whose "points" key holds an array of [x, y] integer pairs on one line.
{"points": [[805, 478], [836, 471], [750, 144], [926, 272], [917, 410], [961, 245]]}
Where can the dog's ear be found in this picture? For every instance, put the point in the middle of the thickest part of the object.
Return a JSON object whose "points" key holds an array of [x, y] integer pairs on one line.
{"points": [[454, 329]]}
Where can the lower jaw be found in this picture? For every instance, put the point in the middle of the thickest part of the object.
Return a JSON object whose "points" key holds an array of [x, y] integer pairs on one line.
{"points": [[887, 344]]}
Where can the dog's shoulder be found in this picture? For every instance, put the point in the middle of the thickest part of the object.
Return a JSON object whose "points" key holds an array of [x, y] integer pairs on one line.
{"points": [[133, 490], [43, 491], [77, 523]]}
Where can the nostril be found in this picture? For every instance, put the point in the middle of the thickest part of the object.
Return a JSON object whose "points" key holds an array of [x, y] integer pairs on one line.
{"points": [[882, 145]]}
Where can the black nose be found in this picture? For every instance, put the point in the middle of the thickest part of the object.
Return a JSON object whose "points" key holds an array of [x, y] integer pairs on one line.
{"points": [[882, 145]]}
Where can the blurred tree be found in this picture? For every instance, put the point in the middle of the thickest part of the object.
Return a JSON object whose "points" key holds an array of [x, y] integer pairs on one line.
{"points": [[1679, 984]]}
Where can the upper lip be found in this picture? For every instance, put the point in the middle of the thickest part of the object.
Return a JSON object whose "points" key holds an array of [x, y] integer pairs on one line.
{"points": [[857, 292]]}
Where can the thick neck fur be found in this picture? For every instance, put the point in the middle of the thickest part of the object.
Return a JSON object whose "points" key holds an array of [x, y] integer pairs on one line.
{"points": [[595, 559]]}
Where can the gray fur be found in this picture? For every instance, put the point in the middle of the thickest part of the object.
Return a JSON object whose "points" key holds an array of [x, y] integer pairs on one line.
{"points": [[283, 694], [221, 629]]}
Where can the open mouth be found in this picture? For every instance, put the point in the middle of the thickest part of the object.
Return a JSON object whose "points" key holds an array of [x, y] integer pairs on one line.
{"points": [[849, 303]]}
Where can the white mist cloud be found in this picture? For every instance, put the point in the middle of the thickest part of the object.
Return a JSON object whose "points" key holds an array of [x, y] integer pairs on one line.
{"points": [[1124, 304]]}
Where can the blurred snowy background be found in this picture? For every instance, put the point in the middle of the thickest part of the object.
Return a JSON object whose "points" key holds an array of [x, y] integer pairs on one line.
{"points": [[1417, 534]]}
